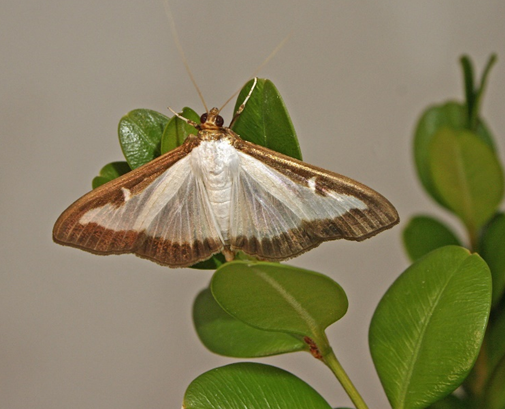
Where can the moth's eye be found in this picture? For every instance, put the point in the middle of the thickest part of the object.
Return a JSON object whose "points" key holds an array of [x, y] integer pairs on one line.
{"points": [[219, 120], [203, 118]]}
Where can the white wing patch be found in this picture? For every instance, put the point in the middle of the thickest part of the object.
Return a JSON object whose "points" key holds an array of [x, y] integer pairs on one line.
{"points": [[266, 202], [174, 207]]}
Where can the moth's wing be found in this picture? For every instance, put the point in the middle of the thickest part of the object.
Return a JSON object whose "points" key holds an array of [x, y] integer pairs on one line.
{"points": [[159, 211], [282, 207]]}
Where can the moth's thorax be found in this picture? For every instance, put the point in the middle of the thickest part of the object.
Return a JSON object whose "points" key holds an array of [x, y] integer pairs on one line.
{"points": [[217, 163], [214, 134]]}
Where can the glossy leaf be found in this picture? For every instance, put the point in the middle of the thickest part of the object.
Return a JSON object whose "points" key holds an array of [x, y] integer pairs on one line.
{"points": [[492, 249], [427, 330], [225, 335], [450, 115], [467, 175], [109, 172], [252, 386], [177, 130], [305, 302], [140, 134], [424, 234], [265, 120]]}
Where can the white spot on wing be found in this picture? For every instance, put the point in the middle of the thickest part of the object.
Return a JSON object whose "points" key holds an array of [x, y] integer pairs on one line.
{"points": [[312, 184], [126, 194]]}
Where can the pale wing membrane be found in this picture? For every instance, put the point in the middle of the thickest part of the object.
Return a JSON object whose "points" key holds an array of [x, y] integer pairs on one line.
{"points": [[184, 230], [162, 214], [283, 207], [262, 225]]}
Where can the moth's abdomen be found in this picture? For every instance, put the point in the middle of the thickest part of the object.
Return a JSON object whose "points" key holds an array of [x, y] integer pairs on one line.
{"points": [[215, 163]]}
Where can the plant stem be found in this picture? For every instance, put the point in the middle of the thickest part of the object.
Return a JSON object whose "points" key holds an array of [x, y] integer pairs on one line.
{"points": [[332, 362]]}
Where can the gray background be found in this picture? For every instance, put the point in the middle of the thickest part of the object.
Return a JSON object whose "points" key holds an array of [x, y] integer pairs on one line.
{"points": [[81, 331]]}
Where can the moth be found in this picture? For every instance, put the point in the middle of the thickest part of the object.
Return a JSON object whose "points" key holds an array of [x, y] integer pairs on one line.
{"points": [[219, 193]]}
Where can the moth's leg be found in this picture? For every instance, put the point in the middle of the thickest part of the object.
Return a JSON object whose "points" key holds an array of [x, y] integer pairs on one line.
{"points": [[229, 255], [242, 106]]}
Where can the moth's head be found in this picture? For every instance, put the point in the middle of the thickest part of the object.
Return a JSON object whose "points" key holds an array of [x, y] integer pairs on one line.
{"points": [[211, 120]]}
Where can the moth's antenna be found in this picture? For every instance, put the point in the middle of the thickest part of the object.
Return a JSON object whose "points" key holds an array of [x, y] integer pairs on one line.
{"points": [[242, 106], [181, 52], [275, 51], [257, 70], [188, 121]]}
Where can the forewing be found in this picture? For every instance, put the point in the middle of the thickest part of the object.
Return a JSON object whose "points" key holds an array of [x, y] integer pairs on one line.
{"points": [[159, 211], [282, 207]]}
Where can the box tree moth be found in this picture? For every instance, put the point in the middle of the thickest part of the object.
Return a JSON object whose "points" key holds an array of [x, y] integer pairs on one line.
{"points": [[219, 193]]}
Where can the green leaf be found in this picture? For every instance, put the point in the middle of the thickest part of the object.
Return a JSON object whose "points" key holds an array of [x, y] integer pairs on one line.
{"points": [[177, 130], [448, 115], [109, 172], [467, 175], [252, 386], [492, 249], [305, 302], [211, 264], [140, 134], [265, 120], [225, 335], [494, 395], [427, 330], [424, 234]]}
